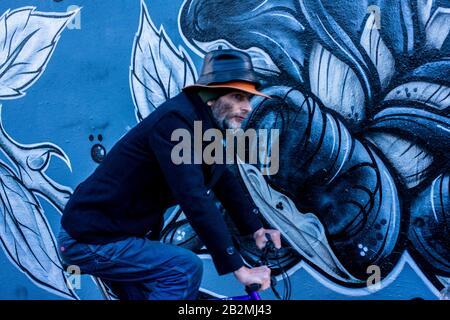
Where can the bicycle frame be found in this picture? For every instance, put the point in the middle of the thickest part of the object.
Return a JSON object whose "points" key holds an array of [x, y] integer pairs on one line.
{"points": [[250, 296]]}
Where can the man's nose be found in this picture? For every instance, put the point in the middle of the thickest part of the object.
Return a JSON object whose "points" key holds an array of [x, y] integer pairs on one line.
{"points": [[246, 107]]}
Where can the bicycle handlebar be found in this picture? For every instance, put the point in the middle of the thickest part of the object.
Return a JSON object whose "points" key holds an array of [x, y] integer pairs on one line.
{"points": [[254, 287], [269, 247]]}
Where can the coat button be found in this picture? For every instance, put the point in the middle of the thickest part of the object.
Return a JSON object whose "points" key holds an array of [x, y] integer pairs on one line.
{"points": [[255, 211], [230, 250], [208, 192]]}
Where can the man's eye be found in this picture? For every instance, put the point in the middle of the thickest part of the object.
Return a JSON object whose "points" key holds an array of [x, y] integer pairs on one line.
{"points": [[239, 97]]}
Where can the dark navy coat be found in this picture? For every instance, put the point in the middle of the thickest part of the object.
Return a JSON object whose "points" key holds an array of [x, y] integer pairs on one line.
{"points": [[129, 192]]}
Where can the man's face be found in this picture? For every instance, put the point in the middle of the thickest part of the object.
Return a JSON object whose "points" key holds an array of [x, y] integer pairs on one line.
{"points": [[231, 109]]}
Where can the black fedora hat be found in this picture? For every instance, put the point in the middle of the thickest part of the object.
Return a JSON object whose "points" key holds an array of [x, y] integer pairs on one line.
{"points": [[228, 68]]}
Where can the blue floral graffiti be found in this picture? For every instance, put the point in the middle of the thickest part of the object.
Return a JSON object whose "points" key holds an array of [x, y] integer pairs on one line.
{"points": [[361, 96], [362, 102], [364, 115]]}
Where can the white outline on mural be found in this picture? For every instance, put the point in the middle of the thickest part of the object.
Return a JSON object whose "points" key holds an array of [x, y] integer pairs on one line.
{"points": [[28, 240]]}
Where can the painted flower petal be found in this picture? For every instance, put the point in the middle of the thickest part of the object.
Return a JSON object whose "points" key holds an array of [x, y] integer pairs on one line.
{"points": [[438, 28], [424, 11], [413, 163], [336, 85], [436, 72], [337, 41], [429, 224], [159, 70], [433, 95], [430, 129], [397, 26], [182, 234], [377, 50]]}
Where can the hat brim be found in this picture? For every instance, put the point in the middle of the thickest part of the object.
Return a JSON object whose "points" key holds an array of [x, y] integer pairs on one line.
{"points": [[239, 87]]}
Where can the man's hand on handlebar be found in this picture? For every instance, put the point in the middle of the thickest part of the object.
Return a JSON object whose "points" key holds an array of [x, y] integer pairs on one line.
{"points": [[256, 275], [259, 275], [261, 238]]}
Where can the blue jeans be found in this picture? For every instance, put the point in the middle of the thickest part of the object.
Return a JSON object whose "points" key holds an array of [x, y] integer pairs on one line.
{"points": [[136, 268]]}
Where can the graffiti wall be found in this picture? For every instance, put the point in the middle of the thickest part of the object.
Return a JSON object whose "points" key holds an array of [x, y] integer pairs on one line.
{"points": [[360, 93]]}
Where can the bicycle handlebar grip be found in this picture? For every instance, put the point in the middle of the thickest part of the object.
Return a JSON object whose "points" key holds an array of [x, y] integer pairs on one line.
{"points": [[254, 287]]}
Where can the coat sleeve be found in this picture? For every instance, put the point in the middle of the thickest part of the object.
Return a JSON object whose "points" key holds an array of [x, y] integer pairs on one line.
{"points": [[187, 184], [237, 201]]}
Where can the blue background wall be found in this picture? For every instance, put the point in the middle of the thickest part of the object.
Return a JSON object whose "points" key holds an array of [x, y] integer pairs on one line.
{"points": [[85, 90]]}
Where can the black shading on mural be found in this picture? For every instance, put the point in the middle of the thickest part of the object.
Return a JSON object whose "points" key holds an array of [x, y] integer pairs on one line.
{"points": [[364, 116]]}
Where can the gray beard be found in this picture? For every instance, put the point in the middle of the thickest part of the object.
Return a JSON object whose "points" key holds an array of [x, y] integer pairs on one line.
{"points": [[219, 112]]}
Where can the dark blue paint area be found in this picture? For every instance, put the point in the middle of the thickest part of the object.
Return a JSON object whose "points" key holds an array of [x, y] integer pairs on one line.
{"points": [[429, 225]]}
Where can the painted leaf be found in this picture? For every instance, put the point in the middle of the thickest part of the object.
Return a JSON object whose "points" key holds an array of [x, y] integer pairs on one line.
{"points": [[26, 236], [159, 70], [27, 40], [413, 163]]}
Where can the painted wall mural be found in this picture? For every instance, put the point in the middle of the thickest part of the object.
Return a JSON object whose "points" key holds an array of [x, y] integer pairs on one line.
{"points": [[28, 38], [361, 96]]}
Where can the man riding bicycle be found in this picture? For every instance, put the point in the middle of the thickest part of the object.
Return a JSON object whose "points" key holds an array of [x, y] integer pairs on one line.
{"points": [[110, 226]]}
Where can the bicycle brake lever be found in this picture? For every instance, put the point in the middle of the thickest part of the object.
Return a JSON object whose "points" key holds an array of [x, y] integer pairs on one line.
{"points": [[273, 281], [270, 246]]}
